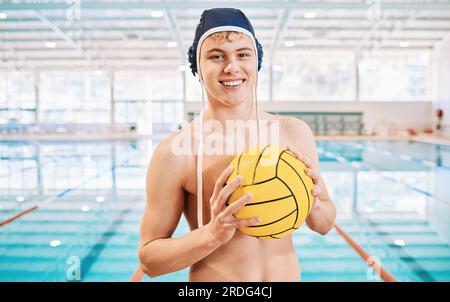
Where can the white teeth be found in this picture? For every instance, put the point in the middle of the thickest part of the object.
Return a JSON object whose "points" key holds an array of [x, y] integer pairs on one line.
{"points": [[233, 83]]}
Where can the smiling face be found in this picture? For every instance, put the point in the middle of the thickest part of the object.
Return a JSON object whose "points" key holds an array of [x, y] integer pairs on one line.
{"points": [[228, 66]]}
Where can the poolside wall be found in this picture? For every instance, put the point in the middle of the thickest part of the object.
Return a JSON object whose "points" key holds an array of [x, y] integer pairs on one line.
{"points": [[441, 81], [387, 118]]}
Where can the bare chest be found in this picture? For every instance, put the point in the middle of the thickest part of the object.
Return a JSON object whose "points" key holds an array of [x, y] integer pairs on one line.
{"points": [[213, 166]]}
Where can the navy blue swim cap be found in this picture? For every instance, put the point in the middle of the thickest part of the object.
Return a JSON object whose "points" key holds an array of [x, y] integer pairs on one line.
{"points": [[217, 20]]}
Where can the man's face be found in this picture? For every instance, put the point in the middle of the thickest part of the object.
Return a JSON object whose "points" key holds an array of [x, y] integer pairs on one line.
{"points": [[228, 69]]}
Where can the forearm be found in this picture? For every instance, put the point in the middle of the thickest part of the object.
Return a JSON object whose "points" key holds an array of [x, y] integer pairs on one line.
{"points": [[168, 255], [322, 217]]}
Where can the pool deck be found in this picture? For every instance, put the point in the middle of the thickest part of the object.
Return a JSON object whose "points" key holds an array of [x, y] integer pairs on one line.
{"points": [[423, 138]]}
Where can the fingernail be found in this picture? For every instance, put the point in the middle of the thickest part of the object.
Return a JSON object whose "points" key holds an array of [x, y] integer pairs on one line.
{"points": [[249, 196], [239, 178], [258, 220], [229, 169]]}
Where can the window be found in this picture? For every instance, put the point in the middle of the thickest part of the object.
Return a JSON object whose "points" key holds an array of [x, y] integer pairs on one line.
{"points": [[167, 85], [17, 98], [130, 85], [149, 97], [193, 88], [314, 76], [264, 82], [148, 85], [74, 97], [167, 116], [394, 76]]}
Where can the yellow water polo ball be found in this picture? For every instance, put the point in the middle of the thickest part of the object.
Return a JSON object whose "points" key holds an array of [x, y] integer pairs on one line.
{"points": [[281, 191]]}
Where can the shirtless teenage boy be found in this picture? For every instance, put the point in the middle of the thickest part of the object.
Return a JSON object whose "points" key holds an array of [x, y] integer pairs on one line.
{"points": [[225, 55]]}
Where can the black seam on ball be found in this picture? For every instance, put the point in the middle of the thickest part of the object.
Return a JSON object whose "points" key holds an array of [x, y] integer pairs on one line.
{"points": [[266, 201], [278, 161], [261, 182], [272, 222], [271, 235], [239, 162], [257, 162], [295, 200], [304, 185]]}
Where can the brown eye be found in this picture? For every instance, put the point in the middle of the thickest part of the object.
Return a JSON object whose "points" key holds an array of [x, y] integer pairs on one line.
{"points": [[215, 57], [243, 55]]}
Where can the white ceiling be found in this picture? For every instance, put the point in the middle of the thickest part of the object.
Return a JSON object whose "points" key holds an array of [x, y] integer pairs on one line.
{"points": [[123, 34]]}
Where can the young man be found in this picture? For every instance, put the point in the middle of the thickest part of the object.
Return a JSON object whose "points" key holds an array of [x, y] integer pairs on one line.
{"points": [[227, 57]]}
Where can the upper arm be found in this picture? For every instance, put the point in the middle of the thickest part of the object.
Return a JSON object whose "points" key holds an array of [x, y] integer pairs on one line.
{"points": [[165, 194]]}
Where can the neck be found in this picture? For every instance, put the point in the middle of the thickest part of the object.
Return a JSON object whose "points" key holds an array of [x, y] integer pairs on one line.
{"points": [[244, 111]]}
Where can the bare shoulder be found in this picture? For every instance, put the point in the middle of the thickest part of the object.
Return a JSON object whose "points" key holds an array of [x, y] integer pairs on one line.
{"points": [[293, 127], [165, 149], [297, 125], [169, 157], [298, 135], [176, 146]]}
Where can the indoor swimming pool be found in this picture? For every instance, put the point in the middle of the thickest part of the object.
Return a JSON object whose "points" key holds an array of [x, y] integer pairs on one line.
{"points": [[82, 203]]}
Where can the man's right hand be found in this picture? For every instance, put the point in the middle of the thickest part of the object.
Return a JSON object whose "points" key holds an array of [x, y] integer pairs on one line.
{"points": [[223, 224]]}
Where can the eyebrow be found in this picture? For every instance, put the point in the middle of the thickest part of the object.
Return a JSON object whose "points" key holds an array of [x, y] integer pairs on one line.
{"points": [[220, 50]]}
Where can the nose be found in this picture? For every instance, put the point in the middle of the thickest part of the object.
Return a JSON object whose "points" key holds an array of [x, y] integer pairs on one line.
{"points": [[232, 67]]}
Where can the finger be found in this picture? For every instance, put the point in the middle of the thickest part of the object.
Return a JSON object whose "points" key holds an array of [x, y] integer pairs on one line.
{"points": [[223, 195], [313, 175], [225, 219], [315, 191], [220, 182], [299, 156], [229, 226], [292, 151], [242, 223], [316, 203], [235, 206], [306, 160]]}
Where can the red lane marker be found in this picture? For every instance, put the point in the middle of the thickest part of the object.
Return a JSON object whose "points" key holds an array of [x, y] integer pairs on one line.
{"points": [[385, 275], [11, 219], [138, 275]]}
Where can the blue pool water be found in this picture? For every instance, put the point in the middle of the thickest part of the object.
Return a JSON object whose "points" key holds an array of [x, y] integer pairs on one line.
{"points": [[393, 198]]}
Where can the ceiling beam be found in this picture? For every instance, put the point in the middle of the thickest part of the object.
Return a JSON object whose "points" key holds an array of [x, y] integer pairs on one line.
{"points": [[87, 54], [257, 29], [61, 34], [121, 18], [413, 5], [280, 28], [175, 31]]}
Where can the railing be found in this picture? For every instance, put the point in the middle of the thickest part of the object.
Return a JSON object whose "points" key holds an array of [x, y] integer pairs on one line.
{"points": [[323, 123]]}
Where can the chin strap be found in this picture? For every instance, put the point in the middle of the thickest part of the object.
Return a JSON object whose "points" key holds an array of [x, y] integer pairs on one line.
{"points": [[200, 157], [200, 166], [200, 150], [255, 100]]}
